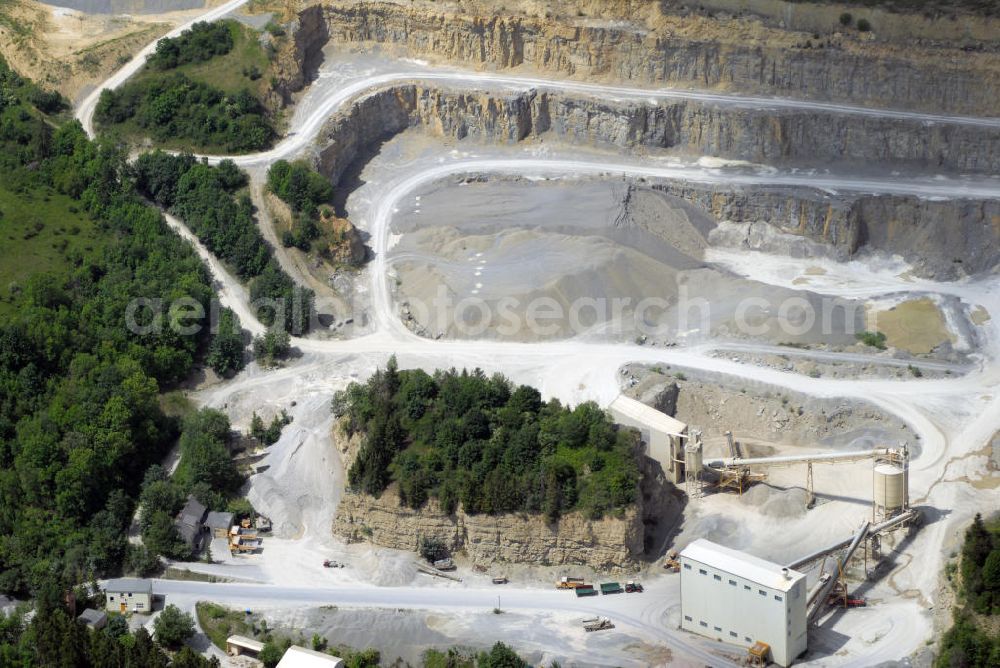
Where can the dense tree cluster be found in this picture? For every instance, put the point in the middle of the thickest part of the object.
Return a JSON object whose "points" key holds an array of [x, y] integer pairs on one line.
{"points": [[54, 638], [209, 201], [300, 186], [981, 567], [480, 442], [304, 190], [202, 41], [269, 435], [206, 470], [225, 353], [173, 627], [80, 419], [499, 656], [14, 88], [272, 345], [175, 107], [969, 643]]}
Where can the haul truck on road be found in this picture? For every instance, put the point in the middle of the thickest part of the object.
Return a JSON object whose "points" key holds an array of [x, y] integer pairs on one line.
{"points": [[569, 583]]}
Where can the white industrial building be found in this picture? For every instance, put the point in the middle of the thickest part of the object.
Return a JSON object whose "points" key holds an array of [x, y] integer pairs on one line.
{"points": [[737, 598]]}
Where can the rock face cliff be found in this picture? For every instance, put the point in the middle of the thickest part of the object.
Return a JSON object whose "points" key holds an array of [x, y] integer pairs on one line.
{"points": [[690, 52], [686, 126], [941, 239], [297, 55], [609, 544], [930, 234]]}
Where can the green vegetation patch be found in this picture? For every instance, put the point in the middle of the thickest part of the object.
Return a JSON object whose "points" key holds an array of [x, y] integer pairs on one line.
{"points": [[219, 623], [41, 230], [973, 641], [212, 202], [499, 656], [201, 90], [202, 41], [873, 339], [464, 438], [179, 112], [80, 417]]}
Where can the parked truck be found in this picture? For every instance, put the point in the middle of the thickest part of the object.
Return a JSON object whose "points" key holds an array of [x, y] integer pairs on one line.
{"points": [[611, 588], [569, 583], [586, 590]]}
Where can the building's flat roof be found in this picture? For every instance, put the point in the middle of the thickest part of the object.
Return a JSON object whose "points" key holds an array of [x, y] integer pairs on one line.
{"points": [[219, 520], [300, 657], [647, 415], [133, 585], [245, 643], [741, 564], [193, 512], [92, 616]]}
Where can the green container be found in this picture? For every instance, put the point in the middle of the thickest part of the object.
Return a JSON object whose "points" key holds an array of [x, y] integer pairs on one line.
{"points": [[610, 588]]}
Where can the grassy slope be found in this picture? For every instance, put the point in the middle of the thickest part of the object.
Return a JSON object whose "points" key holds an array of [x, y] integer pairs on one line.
{"points": [[223, 72], [219, 623], [39, 231], [226, 72]]}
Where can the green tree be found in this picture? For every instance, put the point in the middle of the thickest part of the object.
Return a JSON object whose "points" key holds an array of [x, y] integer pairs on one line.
{"points": [[161, 537], [205, 456], [300, 186], [501, 656], [172, 627], [225, 353], [272, 345], [142, 561], [270, 655], [202, 41], [432, 548]]}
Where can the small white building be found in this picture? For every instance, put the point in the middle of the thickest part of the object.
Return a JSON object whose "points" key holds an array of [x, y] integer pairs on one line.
{"points": [[243, 646], [128, 595], [300, 657], [737, 598]]}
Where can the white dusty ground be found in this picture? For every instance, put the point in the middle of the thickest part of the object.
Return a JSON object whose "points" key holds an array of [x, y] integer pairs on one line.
{"points": [[954, 417]]}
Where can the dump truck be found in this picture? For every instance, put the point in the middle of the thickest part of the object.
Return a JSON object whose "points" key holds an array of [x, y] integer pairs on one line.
{"points": [[586, 590], [243, 544], [611, 588], [569, 583], [597, 624]]}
